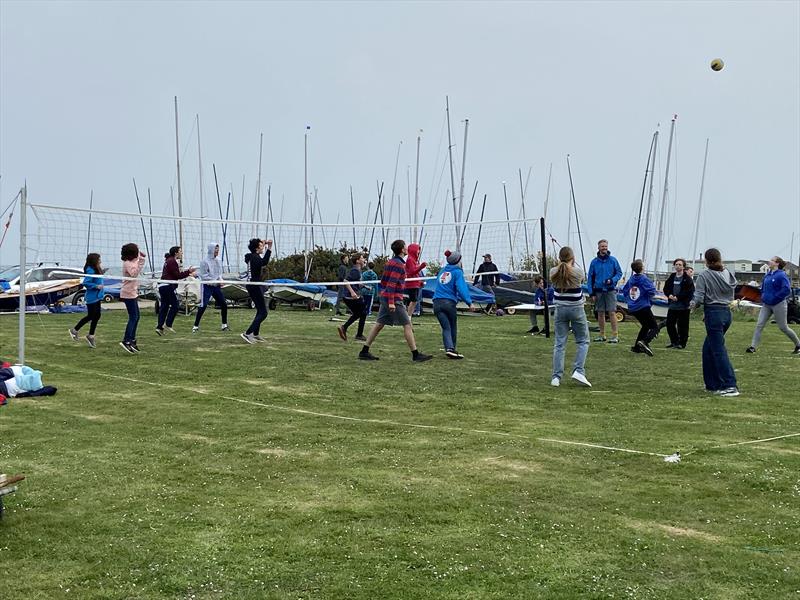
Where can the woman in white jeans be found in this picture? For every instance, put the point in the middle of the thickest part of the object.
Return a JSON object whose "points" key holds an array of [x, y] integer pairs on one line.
{"points": [[775, 291], [570, 314]]}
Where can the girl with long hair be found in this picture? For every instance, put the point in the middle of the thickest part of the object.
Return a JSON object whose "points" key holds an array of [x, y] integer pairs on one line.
{"points": [[775, 292], [132, 264], [166, 291], [92, 298], [714, 290], [570, 314]]}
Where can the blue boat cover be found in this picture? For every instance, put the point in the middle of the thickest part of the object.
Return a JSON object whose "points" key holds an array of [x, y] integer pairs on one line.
{"points": [[478, 295], [306, 287]]}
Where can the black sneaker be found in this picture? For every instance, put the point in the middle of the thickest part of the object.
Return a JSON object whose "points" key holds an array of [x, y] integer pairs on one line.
{"points": [[533, 330], [127, 347], [160, 330], [644, 348], [635, 349], [451, 354], [134, 345], [420, 357], [672, 345], [367, 356], [796, 350], [361, 338], [750, 350]]}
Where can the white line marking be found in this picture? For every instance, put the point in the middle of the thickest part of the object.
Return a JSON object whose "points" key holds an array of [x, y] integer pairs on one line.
{"points": [[779, 437], [613, 449]]}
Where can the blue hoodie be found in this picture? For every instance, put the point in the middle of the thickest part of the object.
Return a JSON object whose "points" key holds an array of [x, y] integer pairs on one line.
{"points": [[775, 288], [538, 296], [450, 285], [638, 292], [210, 267], [604, 273], [94, 287]]}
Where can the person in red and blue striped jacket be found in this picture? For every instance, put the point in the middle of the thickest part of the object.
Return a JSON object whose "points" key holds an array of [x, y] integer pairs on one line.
{"points": [[392, 311]]}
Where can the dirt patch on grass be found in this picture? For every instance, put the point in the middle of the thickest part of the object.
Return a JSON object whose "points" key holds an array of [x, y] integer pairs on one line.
{"points": [[673, 531], [98, 418], [508, 468], [273, 451]]}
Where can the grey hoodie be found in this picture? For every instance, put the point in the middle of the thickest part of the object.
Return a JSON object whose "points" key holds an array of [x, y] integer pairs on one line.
{"points": [[714, 287], [210, 267]]}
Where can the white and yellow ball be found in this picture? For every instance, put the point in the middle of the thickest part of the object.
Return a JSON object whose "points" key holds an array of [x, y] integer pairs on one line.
{"points": [[717, 64]]}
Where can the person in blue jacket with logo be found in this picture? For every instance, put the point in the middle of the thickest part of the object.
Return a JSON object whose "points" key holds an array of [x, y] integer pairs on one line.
{"points": [[603, 277], [450, 287], [639, 292], [775, 291]]}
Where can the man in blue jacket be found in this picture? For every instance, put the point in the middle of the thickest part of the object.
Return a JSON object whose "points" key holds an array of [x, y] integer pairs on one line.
{"points": [[604, 274]]}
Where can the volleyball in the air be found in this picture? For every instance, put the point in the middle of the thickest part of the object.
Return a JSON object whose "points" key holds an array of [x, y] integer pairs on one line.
{"points": [[717, 64]]}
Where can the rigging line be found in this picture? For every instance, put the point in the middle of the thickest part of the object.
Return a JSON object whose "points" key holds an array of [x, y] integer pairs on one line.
{"points": [[13, 202], [438, 154]]}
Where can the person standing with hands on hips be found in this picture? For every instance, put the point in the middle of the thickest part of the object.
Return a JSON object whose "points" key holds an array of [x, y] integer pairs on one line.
{"points": [[604, 274]]}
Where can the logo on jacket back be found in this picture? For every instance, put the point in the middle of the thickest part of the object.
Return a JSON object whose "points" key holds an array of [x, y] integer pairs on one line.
{"points": [[634, 293], [445, 277]]}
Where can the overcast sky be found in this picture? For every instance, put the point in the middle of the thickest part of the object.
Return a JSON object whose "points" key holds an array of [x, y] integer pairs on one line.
{"points": [[87, 103]]}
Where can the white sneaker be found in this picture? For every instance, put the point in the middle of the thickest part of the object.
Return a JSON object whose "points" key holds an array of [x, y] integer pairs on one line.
{"points": [[170, 329], [581, 378], [248, 338], [729, 393], [225, 327], [195, 329], [555, 382], [258, 338], [73, 333]]}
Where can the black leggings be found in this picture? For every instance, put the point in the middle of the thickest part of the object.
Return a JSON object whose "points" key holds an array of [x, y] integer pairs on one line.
{"points": [[92, 316], [359, 313], [678, 326], [649, 326], [256, 293]]}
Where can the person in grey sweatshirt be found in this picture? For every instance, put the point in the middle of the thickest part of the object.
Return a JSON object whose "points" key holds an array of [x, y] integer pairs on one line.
{"points": [[714, 290], [210, 276]]}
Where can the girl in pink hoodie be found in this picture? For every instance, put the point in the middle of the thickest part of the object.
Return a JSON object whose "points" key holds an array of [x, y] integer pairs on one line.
{"points": [[413, 269], [132, 263]]}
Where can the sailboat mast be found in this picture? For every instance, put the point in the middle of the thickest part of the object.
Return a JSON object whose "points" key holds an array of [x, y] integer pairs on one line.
{"points": [[461, 192], [641, 202], [450, 153], [178, 161], [660, 238], [200, 172], [415, 233], [257, 215], [547, 195], [575, 208], [305, 201], [700, 207], [649, 210], [508, 224]]}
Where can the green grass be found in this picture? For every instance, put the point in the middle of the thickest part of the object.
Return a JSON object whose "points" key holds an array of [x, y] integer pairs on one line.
{"points": [[206, 468]]}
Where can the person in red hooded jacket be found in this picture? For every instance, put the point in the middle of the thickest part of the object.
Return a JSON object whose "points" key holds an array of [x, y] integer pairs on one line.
{"points": [[413, 269]]}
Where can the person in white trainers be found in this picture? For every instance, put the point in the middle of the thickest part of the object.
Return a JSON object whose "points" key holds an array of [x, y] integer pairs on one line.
{"points": [[775, 292], [210, 275], [570, 314], [257, 260]]}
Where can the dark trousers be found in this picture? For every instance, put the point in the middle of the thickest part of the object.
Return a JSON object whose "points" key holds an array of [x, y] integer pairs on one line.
{"points": [[132, 306], [678, 326], [256, 293], [92, 317], [169, 306], [210, 291], [447, 315], [717, 369], [368, 300], [359, 313], [649, 326]]}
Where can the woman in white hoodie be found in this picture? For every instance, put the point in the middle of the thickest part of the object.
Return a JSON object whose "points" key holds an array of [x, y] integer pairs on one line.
{"points": [[210, 277]]}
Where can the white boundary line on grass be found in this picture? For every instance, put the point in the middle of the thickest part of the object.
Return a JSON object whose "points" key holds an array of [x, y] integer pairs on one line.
{"points": [[303, 411]]}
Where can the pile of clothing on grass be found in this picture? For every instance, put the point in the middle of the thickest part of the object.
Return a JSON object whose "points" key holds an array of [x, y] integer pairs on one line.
{"points": [[21, 382]]}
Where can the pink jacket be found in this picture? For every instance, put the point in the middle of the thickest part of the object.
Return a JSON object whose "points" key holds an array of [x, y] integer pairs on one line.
{"points": [[414, 268], [131, 268]]}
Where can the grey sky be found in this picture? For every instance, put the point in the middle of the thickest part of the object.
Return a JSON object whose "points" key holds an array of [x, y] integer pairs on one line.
{"points": [[87, 89]]}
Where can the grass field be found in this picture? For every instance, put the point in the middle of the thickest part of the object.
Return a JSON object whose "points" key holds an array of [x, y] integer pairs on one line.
{"points": [[207, 468]]}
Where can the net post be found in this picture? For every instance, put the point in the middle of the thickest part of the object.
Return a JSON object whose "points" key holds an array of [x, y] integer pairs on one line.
{"points": [[23, 241], [545, 275]]}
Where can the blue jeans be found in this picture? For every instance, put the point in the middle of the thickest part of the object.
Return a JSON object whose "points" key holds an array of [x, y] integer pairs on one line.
{"points": [[570, 317], [209, 291], [445, 311], [717, 369], [169, 306], [132, 306], [256, 293]]}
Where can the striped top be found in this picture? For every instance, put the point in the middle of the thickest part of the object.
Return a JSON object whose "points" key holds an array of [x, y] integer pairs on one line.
{"points": [[393, 280], [572, 295]]}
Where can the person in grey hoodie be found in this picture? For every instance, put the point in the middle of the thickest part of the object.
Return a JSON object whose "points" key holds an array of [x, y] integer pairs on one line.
{"points": [[210, 276], [714, 290]]}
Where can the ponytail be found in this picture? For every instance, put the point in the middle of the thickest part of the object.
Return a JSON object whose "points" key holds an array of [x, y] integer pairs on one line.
{"points": [[562, 277]]}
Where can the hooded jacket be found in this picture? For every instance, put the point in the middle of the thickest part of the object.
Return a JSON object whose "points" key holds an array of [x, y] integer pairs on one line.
{"points": [[639, 292], [604, 273], [450, 285], [685, 293], [94, 287], [413, 267], [210, 267], [714, 287], [775, 288]]}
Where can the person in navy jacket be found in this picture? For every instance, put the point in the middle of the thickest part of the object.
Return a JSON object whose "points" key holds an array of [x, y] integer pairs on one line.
{"points": [[639, 292], [775, 291], [450, 288]]}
